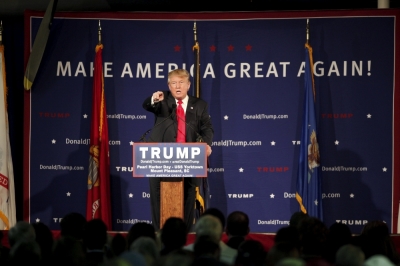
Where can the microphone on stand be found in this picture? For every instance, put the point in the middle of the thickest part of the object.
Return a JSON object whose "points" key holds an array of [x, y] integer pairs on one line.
{"points": [[142, 138], [199, 137]]}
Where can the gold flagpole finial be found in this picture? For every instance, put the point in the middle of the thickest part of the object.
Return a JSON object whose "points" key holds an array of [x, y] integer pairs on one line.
{"points": [[1, 32], [195, 31], [99, 32], [308, 31]]}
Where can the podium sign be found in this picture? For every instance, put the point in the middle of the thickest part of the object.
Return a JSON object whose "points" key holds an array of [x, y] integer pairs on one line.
{"points": [[170, 159]]}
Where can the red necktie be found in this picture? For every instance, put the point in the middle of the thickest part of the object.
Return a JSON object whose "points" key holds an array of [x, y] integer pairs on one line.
{"points": [[181, 134]]}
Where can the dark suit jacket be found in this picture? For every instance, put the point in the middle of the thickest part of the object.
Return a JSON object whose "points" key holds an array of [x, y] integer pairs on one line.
{"points": [[165, 127]]}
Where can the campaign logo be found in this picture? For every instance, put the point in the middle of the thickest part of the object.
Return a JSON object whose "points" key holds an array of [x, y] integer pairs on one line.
{"points": [[54, 115], [132, 221], [240, 196], [272, 169], [124, 168], [337, 116], [352, 222]]}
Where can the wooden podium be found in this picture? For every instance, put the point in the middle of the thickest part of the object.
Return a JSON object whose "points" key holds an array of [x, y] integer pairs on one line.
{"points": [[172, 162], [171, 199]]}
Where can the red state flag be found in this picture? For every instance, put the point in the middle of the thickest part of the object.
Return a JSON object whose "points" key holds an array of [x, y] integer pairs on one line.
{"points": [[98, 198]]}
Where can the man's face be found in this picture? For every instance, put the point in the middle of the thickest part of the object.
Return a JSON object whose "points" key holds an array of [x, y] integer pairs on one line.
{"points": [[179, 86]]}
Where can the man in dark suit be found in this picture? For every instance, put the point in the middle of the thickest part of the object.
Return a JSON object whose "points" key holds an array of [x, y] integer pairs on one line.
{"points": [[179, 118]]}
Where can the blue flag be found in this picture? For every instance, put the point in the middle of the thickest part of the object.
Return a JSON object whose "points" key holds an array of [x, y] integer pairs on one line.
{"points": [[308, 192]]}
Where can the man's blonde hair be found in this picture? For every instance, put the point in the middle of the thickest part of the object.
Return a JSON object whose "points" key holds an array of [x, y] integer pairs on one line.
{"points": [[182, 73]]}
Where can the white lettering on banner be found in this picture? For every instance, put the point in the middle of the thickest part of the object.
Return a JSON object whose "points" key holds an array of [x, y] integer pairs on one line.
{"points": [[181, 153], [132, 221], [239, 196], [260, 69], [61, 167], [353, 222], [77, 141], [319, 71], [145, 195], [289, 195], [124, 168], [272, 222]]}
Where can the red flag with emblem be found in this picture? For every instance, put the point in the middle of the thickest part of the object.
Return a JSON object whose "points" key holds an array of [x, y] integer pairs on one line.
{"points": [[98, 198]]}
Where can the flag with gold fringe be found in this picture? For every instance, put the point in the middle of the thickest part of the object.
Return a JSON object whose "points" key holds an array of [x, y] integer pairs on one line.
{"points": [[7, 191], [308, 192], [98, 197], [203, 189]]}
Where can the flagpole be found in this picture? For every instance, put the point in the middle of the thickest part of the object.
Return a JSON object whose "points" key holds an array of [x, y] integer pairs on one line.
{"points": [[308, 31], [1, 32], [196, 74], [99, 32]]}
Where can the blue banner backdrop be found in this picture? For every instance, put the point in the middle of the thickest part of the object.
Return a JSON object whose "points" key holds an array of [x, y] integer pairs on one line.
{"points": [[253, 79]]}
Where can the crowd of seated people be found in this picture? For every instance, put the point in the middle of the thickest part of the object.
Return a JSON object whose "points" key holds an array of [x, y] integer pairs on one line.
{"points": [[306, 241]]}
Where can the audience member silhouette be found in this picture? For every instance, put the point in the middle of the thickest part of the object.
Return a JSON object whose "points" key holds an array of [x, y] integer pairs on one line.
{"points": [[21, 231], [349, 255], [209, 225], [375, 240], [282, 250], [313, 237], [207, 252], [140, 229], [72, 225], [296, 218], [25, 252], [44, 238], [237, 228], [288, 234], [173, 235], [147, 247], [68, 252], [94, 240], [118, 245], [251, 253], [339, 235]]}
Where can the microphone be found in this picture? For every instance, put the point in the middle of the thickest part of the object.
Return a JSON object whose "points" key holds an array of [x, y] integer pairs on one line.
{"points": [[142, 138]]}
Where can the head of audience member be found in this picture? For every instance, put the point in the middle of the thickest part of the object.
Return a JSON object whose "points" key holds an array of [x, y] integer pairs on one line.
{"points": [[349, 255], [251, 252], [288, 234], [291, 262], [179, 257], [205, 247], [68, 251], [128, 258], [237, 224], [378, 260], [118, 245], [216, 213], [209, 225], [95, 235], [147, 247], [140, 229], [21, 231], [296, 218], [173, 235], [376, 240], [72, 225], [25, 252], [45, 240], [339, 235], [281, 250], [313, 237]]}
